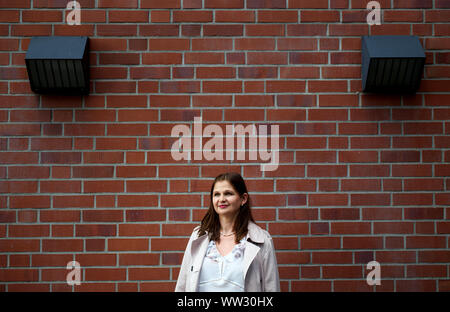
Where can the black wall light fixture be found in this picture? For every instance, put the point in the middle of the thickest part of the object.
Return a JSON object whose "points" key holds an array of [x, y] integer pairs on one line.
{"points": [[58, 65], [391, 64]]}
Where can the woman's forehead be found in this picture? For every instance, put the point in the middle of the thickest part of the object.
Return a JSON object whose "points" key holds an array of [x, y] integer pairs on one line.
{"points": [[223, 186]]}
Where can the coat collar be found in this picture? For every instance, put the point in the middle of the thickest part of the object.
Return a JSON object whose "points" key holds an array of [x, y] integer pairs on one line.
{"points": [[255, 233]]}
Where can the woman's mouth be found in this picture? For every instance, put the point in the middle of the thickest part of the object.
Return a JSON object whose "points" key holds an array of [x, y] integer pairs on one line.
{"points": [[223, 206]]}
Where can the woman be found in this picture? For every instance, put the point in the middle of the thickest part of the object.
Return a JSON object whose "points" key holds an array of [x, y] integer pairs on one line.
{"points": [[228, 251]]}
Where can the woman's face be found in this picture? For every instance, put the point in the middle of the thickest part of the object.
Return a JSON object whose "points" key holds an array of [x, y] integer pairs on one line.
{"points": [[226, 200]]}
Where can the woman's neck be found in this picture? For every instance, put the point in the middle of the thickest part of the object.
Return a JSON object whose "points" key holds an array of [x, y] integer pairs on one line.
{"points": [[226, 224]]}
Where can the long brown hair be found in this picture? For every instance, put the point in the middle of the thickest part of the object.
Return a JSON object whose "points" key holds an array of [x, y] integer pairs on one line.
{"points": [[210, 223]]}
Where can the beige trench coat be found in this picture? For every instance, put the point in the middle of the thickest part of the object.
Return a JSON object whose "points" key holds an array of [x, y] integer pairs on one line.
{"points": [[260, 263]]}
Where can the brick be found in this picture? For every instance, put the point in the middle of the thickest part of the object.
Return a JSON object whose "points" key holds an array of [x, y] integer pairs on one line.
{"points": [[261, 58], [9, 45], [356, 156], [319, 243], [62, 245], [183, 72], [319, 16], [31, 30], [306, 30], [192, 16], [215, 72], [117, 16], [115, 87], [17, 4], [436, 16], [234, 16], [83, 230], [338, 58], [425, 242], [362, 242], [117, 30], [299, 72], [285, 86], [145, 215], [311, 286], [223, 30], [308, 58], [341, 72], [204, 58], [222, 87], [180, 87], [212, 44], [316, 157], [177, 229], [221, 4], [103, 216], [360, 185], [368, 114], [265, 30], [409, 199], [339, 214], [127, 259], [343, 228], [137, 200], [149, 273], [327, 114], [296, 200], [393, 228], [155, 4], [326, 171], [124, 244], [400, 156], [289, 228], [159, 30], [334, 257], [139, 229], [303, 4], [119, 58], [271, 16], [293, 257], [19, 275], [28, 230], [328, 200], [267, 4], [411, 171], [255, 44], [326, 86], [416, 5]]}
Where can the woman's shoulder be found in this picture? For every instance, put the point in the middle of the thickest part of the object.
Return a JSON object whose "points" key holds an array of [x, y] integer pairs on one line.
{"points": [[196, 233], [258, 234]]}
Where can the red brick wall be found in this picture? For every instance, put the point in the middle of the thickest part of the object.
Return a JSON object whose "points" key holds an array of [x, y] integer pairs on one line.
{"points": [[361, 177]]}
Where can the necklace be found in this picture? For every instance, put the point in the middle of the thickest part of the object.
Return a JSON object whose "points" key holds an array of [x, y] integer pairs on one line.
{"points": [[226, 235]]}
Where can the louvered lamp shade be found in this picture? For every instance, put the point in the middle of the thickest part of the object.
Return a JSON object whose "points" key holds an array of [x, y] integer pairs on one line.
{"points": [[391, 64], [58, 65]]}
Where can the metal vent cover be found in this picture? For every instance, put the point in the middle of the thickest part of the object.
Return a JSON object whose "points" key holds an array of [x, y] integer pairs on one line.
{"points": [[58, 65], [391, 64]]}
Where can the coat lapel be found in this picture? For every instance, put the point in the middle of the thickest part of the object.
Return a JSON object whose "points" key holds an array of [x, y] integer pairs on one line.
{"points": [[251, 249], [198, 251]]}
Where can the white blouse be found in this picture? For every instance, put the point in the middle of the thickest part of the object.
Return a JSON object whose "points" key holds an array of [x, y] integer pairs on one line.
{"points": [[222, 273]]}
